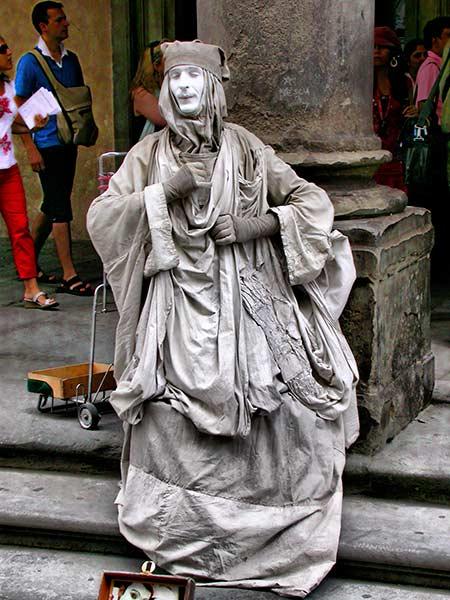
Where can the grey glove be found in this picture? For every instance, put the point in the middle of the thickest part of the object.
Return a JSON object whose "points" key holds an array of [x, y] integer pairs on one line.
{"points": [[229, 229], [179, 185]]}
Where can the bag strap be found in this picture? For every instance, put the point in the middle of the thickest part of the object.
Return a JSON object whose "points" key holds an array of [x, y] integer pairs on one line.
{"points": [[428, 107], [54, 83]]}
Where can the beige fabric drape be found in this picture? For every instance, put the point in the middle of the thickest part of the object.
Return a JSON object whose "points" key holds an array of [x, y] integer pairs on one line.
{"points": [[222, 459]]}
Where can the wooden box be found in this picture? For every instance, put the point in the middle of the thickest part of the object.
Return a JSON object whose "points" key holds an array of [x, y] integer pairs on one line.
{"points": [[145, 586], [64, 380]]}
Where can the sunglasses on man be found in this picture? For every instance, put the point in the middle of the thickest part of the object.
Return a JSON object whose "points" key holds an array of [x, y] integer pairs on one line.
{"points": [[4, 48]]}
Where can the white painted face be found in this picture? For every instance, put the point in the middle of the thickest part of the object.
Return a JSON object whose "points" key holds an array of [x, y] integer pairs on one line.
{"points": [[186, 83]]}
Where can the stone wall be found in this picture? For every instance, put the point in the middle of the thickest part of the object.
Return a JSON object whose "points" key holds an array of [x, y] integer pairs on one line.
{"points": [[90, 38]]}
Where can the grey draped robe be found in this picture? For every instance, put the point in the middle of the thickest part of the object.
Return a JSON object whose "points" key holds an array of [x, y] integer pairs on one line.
{"points": [[238, 397]]}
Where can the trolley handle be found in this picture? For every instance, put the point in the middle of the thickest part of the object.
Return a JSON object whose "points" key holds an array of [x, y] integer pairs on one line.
{"points": [[93, 332], [103, 176]]}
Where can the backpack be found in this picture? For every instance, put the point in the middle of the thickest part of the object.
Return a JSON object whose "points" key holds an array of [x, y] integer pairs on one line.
{"points": [[76, 124]]}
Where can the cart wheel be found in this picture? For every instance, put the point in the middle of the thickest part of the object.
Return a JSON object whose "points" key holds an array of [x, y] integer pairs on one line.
{"points": [[88, 416], [42, 402]]}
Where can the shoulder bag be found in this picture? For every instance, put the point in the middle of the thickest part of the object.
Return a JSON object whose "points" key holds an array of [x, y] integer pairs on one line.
{"points": [[76, 124]]}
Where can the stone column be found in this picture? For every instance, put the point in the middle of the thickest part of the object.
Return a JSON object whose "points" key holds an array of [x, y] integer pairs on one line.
{"points": [[301, 79]]}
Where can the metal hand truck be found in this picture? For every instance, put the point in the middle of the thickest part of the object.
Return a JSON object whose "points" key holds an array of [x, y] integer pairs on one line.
{"points": [[82, 385]]}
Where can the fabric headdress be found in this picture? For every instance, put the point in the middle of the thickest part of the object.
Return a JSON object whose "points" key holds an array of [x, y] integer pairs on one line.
{"points": [[208, 57]]}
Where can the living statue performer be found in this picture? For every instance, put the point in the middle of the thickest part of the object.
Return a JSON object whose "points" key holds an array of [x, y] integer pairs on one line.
{"points": [[235, 384]]}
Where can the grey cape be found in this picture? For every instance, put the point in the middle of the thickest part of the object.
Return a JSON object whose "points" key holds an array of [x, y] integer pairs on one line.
{"points": [[235, 383]]}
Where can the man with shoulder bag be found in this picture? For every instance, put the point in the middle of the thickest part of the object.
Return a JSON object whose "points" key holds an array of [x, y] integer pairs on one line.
{"points": [[53, 150]]}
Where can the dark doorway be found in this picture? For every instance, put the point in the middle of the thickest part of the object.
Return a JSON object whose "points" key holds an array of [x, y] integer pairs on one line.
{"points": [[185, 20], [384, 14], [135, 23]]}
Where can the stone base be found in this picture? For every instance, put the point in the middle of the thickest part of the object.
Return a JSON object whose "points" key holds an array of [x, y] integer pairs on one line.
{"points": [[348, 179], [387, 321], [400, 403]]}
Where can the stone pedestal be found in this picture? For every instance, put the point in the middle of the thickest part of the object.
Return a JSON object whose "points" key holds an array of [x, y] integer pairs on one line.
{"points": [[387, 321], [301, 79]]}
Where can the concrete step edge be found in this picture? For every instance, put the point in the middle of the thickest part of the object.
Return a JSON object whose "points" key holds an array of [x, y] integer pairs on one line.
{"points": [[397, 533], [414, 465], [42, 458], [71, 503]]}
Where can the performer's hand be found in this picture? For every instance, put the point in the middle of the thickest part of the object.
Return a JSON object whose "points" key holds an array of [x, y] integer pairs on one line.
{"points": [[223, 232], [229, 229], [200, 173], [184, 182], [35, 159]]}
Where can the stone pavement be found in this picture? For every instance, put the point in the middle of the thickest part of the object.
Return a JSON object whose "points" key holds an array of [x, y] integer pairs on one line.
{"points": [[34, 339], [58, 530]]}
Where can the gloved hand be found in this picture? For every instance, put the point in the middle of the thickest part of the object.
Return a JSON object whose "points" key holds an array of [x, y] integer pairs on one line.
{"points": [[185, 181], [229, 229]]}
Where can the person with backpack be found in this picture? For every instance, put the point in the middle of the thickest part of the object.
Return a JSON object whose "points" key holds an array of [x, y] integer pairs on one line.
{"points": [[53, 159]]}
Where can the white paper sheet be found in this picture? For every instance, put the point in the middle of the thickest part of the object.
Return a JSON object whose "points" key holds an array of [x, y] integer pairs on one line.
{"points": [[41, 103]]}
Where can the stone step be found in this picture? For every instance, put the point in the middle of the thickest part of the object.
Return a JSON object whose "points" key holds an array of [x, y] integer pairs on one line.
{"points": [[388, 540], [414, 465], [395, 540], [43, 574], [60, 510], [37, 440]]}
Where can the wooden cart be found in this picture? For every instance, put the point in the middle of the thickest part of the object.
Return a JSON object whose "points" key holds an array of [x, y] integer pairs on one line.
{"points": [[82, 385]]}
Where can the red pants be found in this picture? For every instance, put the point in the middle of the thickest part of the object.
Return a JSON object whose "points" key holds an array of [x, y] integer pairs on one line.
{"points": [[13, 208]]}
